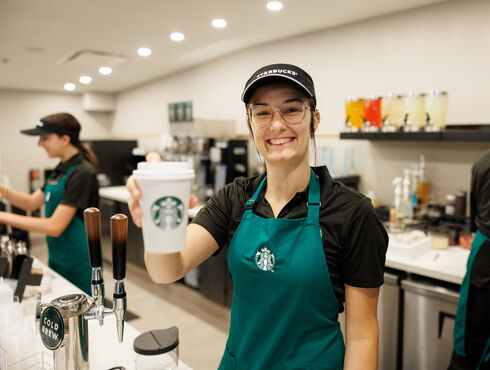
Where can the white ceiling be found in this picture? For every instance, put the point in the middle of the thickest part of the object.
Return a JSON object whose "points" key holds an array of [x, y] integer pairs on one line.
{"points": [[36, 36]]}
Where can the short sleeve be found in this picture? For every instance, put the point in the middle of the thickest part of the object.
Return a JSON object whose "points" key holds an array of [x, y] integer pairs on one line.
{"points": [[78, 188], [215, 215], [365, 242]]}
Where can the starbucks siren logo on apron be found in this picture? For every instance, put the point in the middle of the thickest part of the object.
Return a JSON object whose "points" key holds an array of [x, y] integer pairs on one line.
{"points": [[167, 212], [264, 259]]}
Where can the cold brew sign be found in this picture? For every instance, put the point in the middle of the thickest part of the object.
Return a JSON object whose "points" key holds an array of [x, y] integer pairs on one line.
{"points": [[52, 328]]}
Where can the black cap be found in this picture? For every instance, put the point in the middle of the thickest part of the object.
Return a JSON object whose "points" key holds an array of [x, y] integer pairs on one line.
{"points": [[46, 128], [279, 72]]}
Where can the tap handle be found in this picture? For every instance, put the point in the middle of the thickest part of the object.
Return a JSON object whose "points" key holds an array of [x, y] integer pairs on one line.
{"points": [[119, 234], [92, 227]]}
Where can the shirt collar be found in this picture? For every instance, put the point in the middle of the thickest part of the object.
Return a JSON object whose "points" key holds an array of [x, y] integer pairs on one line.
{"points": [[326, 186], [62, 167], [326, 183]]}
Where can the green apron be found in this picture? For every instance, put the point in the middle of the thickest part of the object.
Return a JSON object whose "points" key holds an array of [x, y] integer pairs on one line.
{"points": [[460, 323], [68, 253], [284, 311]]}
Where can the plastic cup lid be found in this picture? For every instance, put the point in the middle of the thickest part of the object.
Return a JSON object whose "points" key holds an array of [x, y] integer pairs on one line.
{"points": [[157, 166], [164, 169], [156, 342]]}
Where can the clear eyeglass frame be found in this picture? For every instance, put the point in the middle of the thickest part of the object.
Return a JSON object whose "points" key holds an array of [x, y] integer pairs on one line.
{"points": [[288, 120]]}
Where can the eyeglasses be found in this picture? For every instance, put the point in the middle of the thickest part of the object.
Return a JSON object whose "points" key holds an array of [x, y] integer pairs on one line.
{"points": [[292, 113]]}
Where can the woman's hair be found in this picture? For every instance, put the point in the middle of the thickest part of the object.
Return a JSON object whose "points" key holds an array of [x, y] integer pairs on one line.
{"points": [[72, 127], [312, 103]]}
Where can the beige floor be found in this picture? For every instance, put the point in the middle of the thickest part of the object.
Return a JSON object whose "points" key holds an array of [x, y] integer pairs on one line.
{"points": [[203, 325]]}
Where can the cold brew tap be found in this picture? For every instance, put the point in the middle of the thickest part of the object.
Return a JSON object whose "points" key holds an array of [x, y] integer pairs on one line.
{"points": [[92, 227], [63, 323], [119, 233]]}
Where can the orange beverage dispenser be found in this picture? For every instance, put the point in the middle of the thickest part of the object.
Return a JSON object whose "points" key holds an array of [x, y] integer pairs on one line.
{"points": [[354, 113]]}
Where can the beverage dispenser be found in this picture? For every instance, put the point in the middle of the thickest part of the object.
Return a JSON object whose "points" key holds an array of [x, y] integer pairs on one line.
{"points": [[63, 322]]}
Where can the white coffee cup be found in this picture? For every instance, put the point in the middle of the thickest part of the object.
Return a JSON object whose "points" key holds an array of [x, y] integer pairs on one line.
{"points": [[165, 188]]}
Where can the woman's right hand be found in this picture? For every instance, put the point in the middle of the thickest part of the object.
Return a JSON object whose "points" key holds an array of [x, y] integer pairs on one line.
{"points": [[135, 193]]}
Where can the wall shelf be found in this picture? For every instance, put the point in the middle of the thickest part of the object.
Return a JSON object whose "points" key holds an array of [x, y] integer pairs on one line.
{"points": [[479, 133]]}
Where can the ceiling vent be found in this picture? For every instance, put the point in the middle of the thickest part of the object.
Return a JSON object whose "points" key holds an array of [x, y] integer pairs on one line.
{"points": [[95, 58]]}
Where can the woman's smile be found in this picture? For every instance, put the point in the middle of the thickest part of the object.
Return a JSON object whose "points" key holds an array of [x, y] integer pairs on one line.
{"points": [[280, 141]]}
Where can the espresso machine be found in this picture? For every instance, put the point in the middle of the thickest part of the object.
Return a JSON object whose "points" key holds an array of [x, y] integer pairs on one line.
{"points": [[63, 323]]}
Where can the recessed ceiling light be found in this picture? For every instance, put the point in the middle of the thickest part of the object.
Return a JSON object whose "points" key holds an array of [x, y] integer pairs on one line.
{"points": [[177, 36], [274, 6], [85, 79], [144, 52], [70, 86], [105, 70], [219, 23]]}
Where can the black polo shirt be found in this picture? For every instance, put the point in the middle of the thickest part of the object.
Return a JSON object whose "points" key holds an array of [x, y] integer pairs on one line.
{"points": [[354, 240], [81, 187]]}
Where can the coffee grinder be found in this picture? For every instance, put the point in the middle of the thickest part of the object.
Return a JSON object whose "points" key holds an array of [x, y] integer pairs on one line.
{"points": [[63, 322]]}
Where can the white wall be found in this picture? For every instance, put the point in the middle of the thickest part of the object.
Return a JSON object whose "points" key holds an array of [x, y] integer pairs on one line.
{"points": [[20, 110], [441, 46]]}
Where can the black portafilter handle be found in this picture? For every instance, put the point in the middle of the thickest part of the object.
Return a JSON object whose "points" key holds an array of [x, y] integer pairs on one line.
{"points": [[119, 235], [92, 227]]}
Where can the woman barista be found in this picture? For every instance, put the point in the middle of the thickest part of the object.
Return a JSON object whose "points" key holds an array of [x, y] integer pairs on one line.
{"points": [[299, 244], [472, 325], [70, 189]]}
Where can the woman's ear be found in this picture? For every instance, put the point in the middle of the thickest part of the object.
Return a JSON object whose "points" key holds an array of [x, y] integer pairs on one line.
{"points": [[66, 139], [316, 120]]}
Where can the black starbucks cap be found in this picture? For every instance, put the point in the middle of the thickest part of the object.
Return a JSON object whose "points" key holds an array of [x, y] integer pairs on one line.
{"points": [[279, 72], [44, 128]]}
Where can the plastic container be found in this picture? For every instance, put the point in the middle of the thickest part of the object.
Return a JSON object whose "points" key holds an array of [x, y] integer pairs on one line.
{"points": [[436, 108], [372, 111], [157, 349], [413, 105], [354, 112], [438, 238], [450, 208], [392, 110], [6, 293]]}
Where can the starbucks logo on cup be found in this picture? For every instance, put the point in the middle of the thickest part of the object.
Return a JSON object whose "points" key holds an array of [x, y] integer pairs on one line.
{"points": [[167, 212]]}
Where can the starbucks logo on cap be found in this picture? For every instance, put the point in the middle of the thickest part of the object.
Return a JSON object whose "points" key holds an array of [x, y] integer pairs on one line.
{"points": [[167, 212]]}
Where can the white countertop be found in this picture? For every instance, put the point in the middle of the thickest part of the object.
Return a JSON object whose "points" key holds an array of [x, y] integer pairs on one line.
{"points": [[447, 265], [105, 351], [121, 194]]}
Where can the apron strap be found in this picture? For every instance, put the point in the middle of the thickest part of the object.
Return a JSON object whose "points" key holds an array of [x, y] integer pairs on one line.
{"points": [[313, 198], [249, 204]]}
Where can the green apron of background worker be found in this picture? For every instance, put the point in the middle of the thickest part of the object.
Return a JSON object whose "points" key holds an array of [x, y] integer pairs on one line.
{"points": [[472, 325], [71, 245], [71, 188], [462, 342], [295, 326]]}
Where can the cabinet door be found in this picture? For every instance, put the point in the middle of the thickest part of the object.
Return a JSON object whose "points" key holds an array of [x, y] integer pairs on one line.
{"points": [[107, 209], [135, 247], [428, 325], [215, 279]]}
